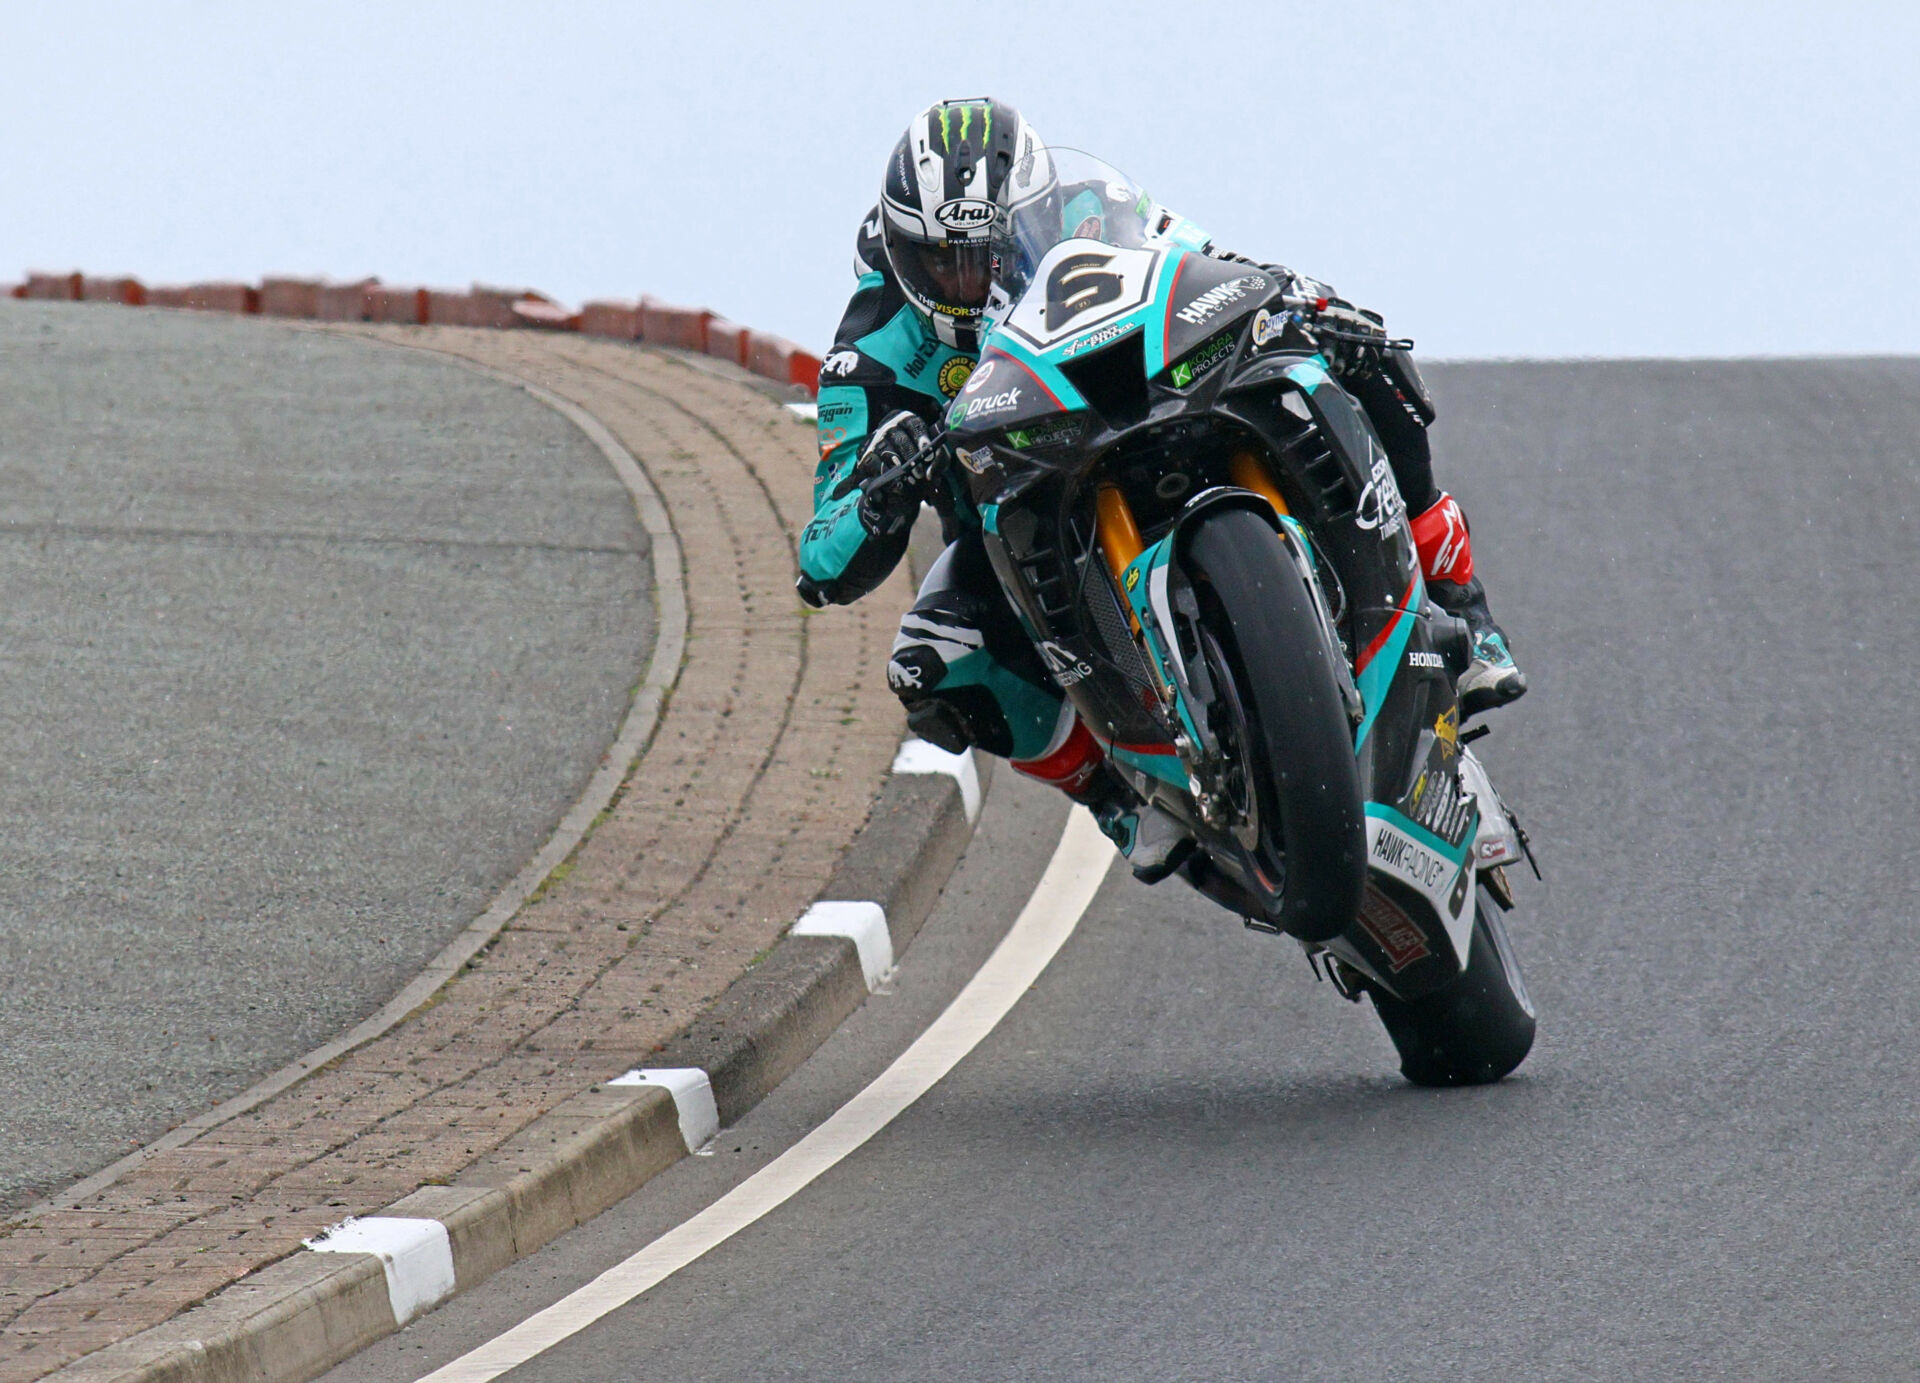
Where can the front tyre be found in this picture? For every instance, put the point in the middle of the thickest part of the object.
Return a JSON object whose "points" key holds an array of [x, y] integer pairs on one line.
{"points": [[1478, 1027], [1303, 781]]}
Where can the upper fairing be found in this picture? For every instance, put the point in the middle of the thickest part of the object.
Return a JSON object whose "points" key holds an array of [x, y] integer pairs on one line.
{"points": [[1085, 296]]}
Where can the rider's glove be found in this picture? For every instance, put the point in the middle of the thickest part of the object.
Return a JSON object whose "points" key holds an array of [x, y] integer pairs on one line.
{"points": [[1352, 337], [888, 505]]}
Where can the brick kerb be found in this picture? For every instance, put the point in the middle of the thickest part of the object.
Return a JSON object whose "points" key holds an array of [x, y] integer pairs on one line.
{"points": [[297, 1318]]}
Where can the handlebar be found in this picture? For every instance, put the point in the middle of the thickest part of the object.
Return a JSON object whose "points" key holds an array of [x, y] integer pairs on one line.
{"points": [[1311, 308]]}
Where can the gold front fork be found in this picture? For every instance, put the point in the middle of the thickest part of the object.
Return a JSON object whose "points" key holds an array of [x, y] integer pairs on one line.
{"points": [[1250, 473], [1120, 540]]}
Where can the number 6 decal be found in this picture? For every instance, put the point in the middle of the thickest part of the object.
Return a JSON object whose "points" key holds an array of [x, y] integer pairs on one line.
{"points": [[1078, 287], [1079, 283]]}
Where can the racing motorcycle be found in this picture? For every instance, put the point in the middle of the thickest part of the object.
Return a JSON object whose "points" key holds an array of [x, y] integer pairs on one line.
{"points": [[1202, 535]]}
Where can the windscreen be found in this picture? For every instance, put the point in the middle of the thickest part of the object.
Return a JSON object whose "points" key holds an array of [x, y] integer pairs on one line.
{"points": [[1081, 198]]}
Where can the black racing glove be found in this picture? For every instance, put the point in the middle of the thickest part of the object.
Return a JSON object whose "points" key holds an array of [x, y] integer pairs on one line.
{"points": [[892, 472]]}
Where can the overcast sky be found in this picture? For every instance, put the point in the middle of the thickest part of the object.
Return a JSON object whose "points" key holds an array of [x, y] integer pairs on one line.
{"points": [[1498, 179]]}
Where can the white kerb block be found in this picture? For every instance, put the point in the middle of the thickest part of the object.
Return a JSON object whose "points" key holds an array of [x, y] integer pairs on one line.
{"points": [[864, 924], [692, 1099], [416, 1255], [917, 756]]}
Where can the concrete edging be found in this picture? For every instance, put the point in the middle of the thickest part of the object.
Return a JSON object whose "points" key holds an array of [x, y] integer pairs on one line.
{"points": [[297, 1318]]}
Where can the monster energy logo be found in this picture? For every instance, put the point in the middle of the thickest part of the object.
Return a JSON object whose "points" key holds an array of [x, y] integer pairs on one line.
{"points": [[966, 120]]}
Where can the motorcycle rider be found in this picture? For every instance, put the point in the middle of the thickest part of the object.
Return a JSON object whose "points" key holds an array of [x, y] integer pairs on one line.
{"points": [[962, 664]]}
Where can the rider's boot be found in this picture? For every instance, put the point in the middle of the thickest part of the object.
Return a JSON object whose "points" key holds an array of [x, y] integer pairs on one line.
{"points": [[1446, 557], [1153, 842]]}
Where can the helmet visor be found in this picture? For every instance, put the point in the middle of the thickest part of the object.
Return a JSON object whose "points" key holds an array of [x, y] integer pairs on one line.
{"points": [[954, 273]]}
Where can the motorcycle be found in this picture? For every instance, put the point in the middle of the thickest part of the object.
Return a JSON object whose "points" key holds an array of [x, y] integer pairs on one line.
{"points": [[1202, 535]]}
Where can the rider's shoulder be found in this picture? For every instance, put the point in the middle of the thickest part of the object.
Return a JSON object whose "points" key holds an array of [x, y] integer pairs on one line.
{"points": [[848, 363], [869, 253]]}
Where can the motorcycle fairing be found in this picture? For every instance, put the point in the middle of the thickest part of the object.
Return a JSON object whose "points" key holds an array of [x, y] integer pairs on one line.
{"points": [[1376, 665], [1439, 872], [1032, 461], [1153, 287]]}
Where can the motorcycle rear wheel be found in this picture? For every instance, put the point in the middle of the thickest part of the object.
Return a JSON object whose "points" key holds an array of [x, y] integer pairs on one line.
{"points": [[1477, 1028], [1311, 813]]}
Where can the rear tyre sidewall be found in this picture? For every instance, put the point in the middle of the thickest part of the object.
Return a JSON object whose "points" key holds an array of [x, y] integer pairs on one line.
{"points": [[1475, 1030]]}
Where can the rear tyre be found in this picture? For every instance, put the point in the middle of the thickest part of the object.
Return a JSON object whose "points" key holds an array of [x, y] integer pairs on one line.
{"points": [[1312, 824], [1477, 1028]]}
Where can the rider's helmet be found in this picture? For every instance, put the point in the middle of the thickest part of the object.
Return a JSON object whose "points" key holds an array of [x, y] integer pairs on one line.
{"points": [[959, 166]]}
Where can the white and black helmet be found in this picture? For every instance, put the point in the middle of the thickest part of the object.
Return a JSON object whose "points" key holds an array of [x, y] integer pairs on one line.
{"points": [[959, 165]]}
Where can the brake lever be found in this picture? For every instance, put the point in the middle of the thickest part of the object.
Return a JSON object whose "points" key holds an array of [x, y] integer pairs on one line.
{"points": [[1379, 341], [1311, 308]]}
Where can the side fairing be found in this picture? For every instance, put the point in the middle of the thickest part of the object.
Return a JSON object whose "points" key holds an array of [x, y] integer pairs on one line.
{"points": [[1204, 296]]}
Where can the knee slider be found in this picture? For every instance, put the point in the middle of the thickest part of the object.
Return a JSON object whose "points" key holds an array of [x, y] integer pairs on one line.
{"points": [[961, 718]]}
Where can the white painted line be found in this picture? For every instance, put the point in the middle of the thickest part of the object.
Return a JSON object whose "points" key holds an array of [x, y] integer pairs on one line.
{"points": [[1073, 876], [692, 1099], [917, 756], [416, 1255], [805, 412], [864, 924]]}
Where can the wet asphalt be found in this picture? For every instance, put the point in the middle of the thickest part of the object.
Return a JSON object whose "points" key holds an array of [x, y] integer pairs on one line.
{"points": [[1180, 1157], [306, 645]]}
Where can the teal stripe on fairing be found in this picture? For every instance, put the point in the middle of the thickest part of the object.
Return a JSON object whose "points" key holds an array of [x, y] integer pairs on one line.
{"points": [[1378, 676], [1456, 853], [1166, 767], [1156, 314], [1310, 374], [1043, 370]]}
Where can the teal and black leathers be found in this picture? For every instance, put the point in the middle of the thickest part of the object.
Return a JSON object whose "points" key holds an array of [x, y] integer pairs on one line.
{"points": [[962, 665], [885, 358], [967, 671]]}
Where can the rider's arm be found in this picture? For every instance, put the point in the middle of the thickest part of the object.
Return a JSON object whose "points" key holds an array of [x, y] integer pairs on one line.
{"points": [[841, 558]]}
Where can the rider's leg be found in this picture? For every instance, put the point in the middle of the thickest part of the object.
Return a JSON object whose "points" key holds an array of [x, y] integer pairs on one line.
{"points": [[1446, 557], [969, 677], [1440, 533]]}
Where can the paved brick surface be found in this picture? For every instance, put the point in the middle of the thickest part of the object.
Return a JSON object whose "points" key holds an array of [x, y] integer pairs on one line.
{"points": [[762, 768]]}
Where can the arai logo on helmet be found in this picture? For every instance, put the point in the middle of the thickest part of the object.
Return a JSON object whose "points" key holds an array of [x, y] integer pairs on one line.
{"points": [[964, 213]]}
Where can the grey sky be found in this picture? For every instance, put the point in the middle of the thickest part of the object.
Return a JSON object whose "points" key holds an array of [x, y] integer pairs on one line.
{"points": [[1499, 179]]}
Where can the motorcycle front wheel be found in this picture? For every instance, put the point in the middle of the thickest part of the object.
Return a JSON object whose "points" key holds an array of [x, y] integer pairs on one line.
{"points": [[1300, 760]]}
